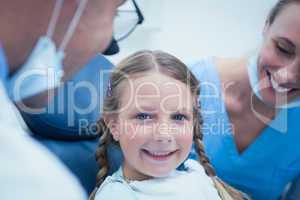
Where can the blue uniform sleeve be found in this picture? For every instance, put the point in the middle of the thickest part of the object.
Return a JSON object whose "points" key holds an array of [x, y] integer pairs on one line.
{"points": [[3, 67], [198, 68]]}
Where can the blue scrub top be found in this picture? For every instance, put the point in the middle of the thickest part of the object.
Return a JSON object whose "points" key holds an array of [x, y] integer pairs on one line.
{"points": [[268, 164], [3, 66]]}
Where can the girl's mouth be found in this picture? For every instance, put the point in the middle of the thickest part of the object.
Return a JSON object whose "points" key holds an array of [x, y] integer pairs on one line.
{"points": [[159, 155]]}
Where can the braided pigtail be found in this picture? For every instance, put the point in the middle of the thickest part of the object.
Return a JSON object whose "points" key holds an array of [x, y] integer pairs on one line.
{"points": [[225, 191], [101, 156], [203, 159]]}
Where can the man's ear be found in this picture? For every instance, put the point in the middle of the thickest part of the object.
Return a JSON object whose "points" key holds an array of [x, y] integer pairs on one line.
{"points": [[112, 123]]}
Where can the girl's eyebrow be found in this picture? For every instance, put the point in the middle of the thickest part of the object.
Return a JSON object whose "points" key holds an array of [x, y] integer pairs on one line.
{"points": [[146, 108], [181, 111], [184, 109]]}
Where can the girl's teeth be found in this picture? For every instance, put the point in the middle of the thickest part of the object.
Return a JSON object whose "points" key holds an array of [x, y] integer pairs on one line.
{"points": [[159, 153], [278, 88]]}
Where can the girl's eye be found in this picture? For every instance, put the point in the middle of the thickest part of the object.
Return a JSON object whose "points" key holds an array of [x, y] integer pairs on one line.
{"points": [[179, 117], [143, 116]]}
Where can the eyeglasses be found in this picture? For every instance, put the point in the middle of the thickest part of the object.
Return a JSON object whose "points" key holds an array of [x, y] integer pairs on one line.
{"points": [[126, 20]]}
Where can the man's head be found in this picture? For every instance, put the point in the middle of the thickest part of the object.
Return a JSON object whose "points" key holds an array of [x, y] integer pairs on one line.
{"points": [[23, 22]]}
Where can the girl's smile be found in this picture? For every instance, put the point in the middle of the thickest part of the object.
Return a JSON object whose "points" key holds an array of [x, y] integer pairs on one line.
{"points": [[155, 125]]}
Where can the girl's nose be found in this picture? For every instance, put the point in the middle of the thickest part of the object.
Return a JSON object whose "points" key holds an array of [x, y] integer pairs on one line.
{"points": [[163, 133]]}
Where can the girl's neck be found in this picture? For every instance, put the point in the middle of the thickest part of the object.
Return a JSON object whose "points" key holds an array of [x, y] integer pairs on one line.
{"points": [[130, 175]]}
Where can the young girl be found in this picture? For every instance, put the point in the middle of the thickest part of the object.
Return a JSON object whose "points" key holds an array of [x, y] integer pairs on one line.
{"points": [[151, 112]]}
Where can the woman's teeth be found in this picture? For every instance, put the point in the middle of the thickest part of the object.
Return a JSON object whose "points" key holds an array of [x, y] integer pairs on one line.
{"points": [[277, 87]]}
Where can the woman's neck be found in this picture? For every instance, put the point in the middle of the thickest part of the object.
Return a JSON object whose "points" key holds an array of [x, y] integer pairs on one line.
{"points": [[236, 88], [247, 114]]}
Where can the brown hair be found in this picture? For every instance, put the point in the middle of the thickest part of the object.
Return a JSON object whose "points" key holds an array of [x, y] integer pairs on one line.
{"points": [[139, 63], [277, 9]]}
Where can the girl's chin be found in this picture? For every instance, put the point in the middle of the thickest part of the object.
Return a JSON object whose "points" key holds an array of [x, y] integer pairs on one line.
{"points": [[159, 172]]}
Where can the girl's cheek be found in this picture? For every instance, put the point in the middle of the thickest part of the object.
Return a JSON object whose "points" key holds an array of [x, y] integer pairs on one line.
{"points": [[137, 131], [185, 133]]}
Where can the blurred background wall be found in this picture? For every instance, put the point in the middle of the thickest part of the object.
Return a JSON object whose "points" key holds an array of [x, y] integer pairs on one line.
{"points": [[191, 29]]}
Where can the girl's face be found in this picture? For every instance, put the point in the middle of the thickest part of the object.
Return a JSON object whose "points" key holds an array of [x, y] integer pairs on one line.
{"points": [[154, 126], [279, 59]]}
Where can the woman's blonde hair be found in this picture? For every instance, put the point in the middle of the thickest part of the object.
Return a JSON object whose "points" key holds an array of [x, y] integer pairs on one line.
{"points": [[137, 64]]}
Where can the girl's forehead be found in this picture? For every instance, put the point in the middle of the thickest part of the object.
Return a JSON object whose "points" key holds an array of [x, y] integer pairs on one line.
{"points": [[154, 83], [153, 90]]}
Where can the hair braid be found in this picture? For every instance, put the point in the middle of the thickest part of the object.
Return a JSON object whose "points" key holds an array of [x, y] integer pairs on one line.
{"points": [[198, 136], [226, 192], [101, 156]]}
